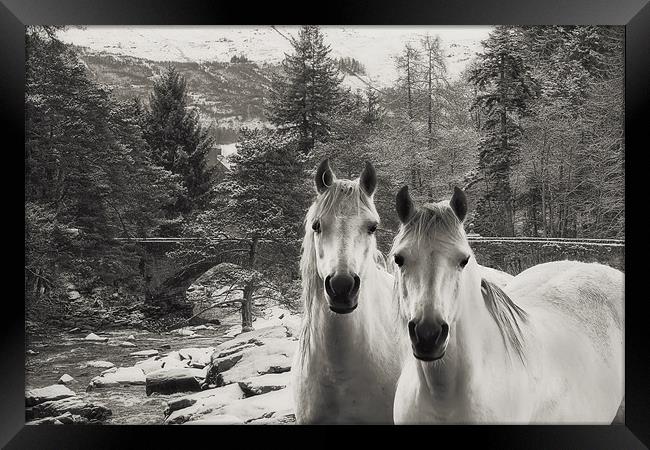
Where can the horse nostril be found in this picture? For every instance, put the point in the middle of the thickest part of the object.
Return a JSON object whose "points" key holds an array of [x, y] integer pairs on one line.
{"points": [[412, 330], [444, 332], [355, 287]]}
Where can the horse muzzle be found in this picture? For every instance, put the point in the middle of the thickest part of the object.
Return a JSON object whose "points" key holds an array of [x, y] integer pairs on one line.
{"points": [[428, 339], [342, 292]]}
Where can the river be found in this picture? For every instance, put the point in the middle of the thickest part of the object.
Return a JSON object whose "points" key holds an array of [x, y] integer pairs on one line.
{"points": [[62, 352]]}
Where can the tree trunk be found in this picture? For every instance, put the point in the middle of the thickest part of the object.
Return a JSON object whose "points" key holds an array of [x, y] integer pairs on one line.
{"points": [[247, 308], [249, 289]]}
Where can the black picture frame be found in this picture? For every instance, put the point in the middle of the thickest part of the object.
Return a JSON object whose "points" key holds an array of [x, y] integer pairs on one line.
{"points": [[633, 14]]}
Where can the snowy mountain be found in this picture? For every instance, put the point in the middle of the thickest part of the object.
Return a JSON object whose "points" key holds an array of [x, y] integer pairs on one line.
{"points": [[374, 46]]}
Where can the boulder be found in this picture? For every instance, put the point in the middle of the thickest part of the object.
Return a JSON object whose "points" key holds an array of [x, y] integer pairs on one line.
{"points": [[49, 393], [194, 406], [65, 379], [66, 418], [131, 337], [145, 353], [120, 376], [74, 295], [265, 383], [183, 332], [273, 404], [196, 357], [274, 356], [169, 381], [32, 352], [100, 364], [222, 419], [127, 344], [72, 405], [255, 337], [94, 338], [275, 419], [149, 365], [45, 421]]}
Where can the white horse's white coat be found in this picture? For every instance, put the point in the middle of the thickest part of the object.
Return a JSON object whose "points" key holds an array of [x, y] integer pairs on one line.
{"points": [[571, 365], [347, 365]]}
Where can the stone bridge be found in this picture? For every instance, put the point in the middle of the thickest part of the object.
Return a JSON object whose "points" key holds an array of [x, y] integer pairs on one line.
{"points": [[168, 276]]}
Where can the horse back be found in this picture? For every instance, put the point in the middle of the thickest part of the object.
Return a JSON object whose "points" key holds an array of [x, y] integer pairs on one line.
{"points": [[586, 295]]}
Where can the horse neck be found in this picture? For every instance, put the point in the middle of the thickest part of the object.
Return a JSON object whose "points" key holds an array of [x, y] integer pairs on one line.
{"points": [[474, 333]]}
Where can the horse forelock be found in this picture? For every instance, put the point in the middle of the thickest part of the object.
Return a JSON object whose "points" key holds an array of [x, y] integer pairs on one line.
{"points": [[431, 221]]}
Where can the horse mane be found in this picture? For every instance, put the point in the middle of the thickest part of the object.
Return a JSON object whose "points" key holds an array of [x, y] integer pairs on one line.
{"points": [[328, 202], [506, 314]]}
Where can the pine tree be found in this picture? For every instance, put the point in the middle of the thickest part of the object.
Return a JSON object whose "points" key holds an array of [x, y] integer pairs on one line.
{"points": [[262, 203], [506, 87], [306, 95], [178, 141]]}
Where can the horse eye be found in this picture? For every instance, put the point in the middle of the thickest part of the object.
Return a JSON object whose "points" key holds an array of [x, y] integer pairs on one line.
{"points": [[464, 262], [399, 260], [372, 228], [316, 226]]}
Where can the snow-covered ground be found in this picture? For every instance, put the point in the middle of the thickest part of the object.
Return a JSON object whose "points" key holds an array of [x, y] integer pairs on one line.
{"points": [[374, 46]]}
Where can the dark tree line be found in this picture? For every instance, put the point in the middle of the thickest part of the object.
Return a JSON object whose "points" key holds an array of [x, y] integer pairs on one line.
{"points": [[97, 169]]}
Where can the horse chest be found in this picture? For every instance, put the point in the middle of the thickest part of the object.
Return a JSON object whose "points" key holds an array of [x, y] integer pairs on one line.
{"points": [[350, 390]]}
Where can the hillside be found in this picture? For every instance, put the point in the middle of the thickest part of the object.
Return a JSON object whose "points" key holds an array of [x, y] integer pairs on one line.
{"points": [[227, 95]]}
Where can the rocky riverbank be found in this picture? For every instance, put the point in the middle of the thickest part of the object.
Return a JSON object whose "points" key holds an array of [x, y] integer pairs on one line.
{"points": [[227, 377]]}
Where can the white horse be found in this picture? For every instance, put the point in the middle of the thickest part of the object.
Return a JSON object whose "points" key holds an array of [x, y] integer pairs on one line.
{"points": [[547, 350], [347, 364]]}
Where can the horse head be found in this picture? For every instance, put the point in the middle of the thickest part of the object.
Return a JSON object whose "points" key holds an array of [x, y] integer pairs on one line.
{"points": [[431, 252], [339, 229]]}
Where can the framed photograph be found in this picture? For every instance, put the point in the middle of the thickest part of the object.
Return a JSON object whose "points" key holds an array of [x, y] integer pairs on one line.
{"points": [[237, 215]]}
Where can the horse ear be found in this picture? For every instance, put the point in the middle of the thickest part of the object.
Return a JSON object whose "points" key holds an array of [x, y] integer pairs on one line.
{"points": [[458, 203], [368, 179], [324, 176], [404, 205]]}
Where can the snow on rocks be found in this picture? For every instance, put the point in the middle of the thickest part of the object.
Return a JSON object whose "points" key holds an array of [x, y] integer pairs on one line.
{"points": [[222, 419], [265, 383], [169, 381], [117, 377], [196, 357], [274, 356], [274, 316], [273, 404], [145, 353], [48, 393], [65, 379], [184, 332], [100, 364], [71, 406], [94, 338], [195, 406]]}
